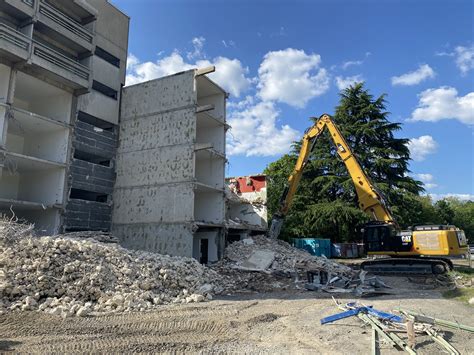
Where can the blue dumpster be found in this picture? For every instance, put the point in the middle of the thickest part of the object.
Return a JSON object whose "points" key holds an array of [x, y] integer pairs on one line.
{"points": [[314, 246]]}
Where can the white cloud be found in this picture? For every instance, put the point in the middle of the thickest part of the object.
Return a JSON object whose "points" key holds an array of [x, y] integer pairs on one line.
{"points": [[444, 103], [198, 44], [228, 43], [462, 197], [464, 58], [415, 77], [350, 63], [421, 147], [343, 83], [291, 76], [427, 180], [255, 132], [230, 73]]}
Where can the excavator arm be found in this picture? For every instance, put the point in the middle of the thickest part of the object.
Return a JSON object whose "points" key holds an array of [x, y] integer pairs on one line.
{"points": [[370, 201]]}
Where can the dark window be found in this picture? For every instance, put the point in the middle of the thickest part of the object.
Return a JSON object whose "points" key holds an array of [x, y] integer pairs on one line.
{"points": [[101, 53], [91, 158], [104, 89], [95, 121], [88, 195]]}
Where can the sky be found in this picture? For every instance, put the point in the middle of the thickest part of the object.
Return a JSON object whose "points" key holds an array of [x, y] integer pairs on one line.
{"points": [[284, 61]]}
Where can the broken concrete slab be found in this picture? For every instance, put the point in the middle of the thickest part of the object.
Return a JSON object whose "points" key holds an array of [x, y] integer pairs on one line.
{"points": [[260, 260]]}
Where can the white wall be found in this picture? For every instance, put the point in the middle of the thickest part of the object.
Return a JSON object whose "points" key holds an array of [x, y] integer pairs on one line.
{"points": [[45, 187], [218, 101], [4, 82], [210, 169], [209, 207], [3, 120], [212, 238], [46, 221], [42, 98], [9, 185], [210, 132]]}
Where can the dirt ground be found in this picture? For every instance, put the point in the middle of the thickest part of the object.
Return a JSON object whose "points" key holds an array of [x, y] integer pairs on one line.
{"points": [[277, 322]]}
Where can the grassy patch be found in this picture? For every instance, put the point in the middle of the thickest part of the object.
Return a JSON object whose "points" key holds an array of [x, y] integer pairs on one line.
{"points": [[463, 277], [464, 271], [460, 294]]}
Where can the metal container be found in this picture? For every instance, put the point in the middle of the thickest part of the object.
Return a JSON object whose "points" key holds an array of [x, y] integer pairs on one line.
{"points": [[314, 246], [345, 250]]}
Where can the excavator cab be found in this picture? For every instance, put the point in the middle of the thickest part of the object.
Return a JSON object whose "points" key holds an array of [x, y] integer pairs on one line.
{"points": [[380, 237]]}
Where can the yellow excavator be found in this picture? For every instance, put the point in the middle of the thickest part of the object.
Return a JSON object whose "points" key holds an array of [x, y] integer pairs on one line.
{"points": [[421, 249]]}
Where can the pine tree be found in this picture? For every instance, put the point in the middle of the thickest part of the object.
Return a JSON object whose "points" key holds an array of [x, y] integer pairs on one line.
{"points": [[326, 202]]}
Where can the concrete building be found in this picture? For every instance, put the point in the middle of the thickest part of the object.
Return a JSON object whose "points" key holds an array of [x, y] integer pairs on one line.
{"points": [[169, 192], [62, 65], [246, 207]]}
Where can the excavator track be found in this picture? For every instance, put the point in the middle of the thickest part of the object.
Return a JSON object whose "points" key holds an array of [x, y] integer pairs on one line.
{"points": [[408, 266]]}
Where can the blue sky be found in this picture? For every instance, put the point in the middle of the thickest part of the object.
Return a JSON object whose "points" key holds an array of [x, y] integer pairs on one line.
{"points": [[284, 61]]}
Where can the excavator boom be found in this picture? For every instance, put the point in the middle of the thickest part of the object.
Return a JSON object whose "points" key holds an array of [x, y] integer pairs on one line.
{"points": [[370, 201], [384, 237]]}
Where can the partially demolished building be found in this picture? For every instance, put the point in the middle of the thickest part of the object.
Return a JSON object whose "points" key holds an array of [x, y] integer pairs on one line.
{"points": [[246, 206], [169, 194], [80, 153], [62, 66]]}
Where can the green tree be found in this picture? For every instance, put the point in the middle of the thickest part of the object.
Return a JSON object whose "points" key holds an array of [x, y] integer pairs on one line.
{"points": [[326, 202], [463, 216], [427, 213], [445, 211]]}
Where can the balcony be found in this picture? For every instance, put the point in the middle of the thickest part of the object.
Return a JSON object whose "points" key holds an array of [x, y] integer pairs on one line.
{"points": [[14, 45], [64, 28], [60, 67], [20, 9], [98, 105]]}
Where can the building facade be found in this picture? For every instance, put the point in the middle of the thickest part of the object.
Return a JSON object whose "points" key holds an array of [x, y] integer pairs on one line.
{"points": [[169, 192], [62, 66]]}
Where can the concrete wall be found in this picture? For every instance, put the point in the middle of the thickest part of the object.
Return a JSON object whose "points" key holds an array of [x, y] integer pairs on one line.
{"points": [[166, 184], [153, 194], [164, 238]]}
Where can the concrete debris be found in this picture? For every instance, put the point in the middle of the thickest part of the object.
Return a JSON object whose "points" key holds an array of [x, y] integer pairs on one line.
{"points": [[73, 276], [359, 285], [287, 259], [98, 236], [260, 260], [259, 263]]}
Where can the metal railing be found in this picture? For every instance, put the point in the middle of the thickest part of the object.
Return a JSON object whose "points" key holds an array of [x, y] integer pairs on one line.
{"points": [[29, 2], [65, 21], [14, 37], [60, 60]]}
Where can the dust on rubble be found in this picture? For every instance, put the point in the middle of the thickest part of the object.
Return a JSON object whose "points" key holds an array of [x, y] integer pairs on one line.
{"points": [[87, 273], [67, 276]]}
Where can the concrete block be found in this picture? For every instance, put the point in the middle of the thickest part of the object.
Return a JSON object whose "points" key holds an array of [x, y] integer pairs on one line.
{"points": [[159, 95], [162, 129], [163, 238], [151, 204], [87, 215], [87, 130], [156, 166]]}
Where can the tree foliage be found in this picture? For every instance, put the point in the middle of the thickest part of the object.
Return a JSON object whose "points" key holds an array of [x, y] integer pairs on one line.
{"points": [[326, 202]]}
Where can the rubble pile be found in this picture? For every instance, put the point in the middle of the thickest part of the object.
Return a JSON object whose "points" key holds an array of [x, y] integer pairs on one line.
{"points": [[281, 257], [72, 276], [260, 263]]}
